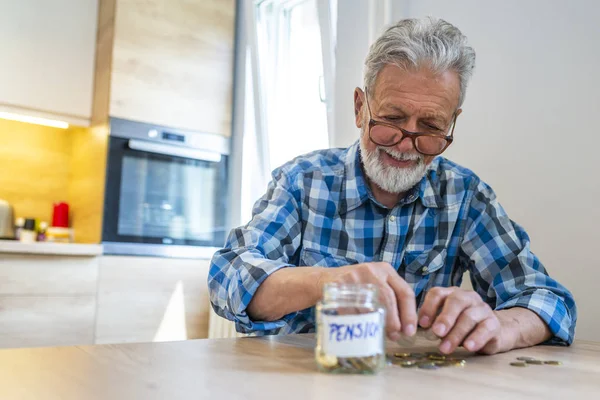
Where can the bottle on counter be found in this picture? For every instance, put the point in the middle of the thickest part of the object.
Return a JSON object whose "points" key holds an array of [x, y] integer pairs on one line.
{"points": [[41, 235], [28, 233], [19, 227]]}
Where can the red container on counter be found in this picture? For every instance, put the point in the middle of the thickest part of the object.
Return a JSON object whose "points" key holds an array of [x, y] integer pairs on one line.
{"points": [[60, 216]]}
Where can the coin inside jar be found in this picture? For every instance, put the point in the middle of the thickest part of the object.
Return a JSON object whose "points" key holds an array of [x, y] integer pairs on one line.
{"points": [[327, 361]]}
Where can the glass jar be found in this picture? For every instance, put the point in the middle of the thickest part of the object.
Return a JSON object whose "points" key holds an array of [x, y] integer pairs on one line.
{"points": [[350, 329]]}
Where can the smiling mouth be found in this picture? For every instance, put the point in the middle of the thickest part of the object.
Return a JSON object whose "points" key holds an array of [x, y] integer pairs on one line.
{"points": [[399, 161]]}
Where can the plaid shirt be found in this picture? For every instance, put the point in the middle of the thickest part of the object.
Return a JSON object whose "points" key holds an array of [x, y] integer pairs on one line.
{"points": [[319, 211]]}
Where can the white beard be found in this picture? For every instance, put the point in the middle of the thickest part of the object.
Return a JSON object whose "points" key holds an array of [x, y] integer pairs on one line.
{"points": [[388, 178]]}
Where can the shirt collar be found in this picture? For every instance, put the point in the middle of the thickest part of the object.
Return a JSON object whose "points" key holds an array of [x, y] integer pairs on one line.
{"points": [[356, 190]]}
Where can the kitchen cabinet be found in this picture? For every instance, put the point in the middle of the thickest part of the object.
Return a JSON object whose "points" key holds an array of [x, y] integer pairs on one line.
{"points": [[47, 300], [50, 300], [166, 62], [143, 299], [48, 51]]}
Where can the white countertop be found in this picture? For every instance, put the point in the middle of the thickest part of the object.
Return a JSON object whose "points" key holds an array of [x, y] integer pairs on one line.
{"points": [[60, 249]]}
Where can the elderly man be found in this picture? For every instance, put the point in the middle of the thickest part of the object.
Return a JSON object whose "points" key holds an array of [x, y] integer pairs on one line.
{"points": [[391, 211]]}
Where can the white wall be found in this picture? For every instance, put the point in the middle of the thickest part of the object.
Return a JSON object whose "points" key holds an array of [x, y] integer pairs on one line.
{"points": [[351, 47], [530, 124]]}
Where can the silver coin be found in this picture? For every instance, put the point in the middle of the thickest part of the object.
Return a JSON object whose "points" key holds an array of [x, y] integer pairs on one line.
{"points": [[429, 366]]}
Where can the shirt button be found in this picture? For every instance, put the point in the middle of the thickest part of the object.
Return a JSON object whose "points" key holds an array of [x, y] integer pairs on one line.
{"points": [[425, 269], [392, 218]]}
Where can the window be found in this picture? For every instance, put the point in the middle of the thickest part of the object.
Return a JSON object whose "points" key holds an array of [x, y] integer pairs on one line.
{"points": [[290, 61]]}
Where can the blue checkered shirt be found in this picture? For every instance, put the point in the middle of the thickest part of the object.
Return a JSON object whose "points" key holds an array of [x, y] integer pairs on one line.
{"points": [[319, 211]]}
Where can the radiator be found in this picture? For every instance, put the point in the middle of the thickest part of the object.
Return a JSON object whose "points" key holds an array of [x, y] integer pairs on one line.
{"points": [[219, 327]]}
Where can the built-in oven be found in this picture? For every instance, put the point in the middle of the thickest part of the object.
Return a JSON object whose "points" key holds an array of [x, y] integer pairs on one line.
{"points": [[166, 191]]}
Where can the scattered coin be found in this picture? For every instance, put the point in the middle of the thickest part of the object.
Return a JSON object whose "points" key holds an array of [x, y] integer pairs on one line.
{"points": [[552, 362], [535, 362], [402, 355], [518, 364], [437, 357], [428, 366], [455, 363], [417, 355], [408, 364], [525, 358]]}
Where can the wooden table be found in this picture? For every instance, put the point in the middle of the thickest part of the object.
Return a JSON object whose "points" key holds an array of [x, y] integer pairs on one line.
{"points": [[281, 368]]}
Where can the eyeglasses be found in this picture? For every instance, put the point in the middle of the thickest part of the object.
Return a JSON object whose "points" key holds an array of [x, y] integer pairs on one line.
{"points": [[427, 143]]}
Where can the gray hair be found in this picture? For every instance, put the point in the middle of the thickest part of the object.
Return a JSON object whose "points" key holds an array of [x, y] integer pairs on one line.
{"points": [[415, 42]]}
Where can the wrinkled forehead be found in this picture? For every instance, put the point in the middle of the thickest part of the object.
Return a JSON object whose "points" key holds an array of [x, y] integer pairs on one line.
{"points": [[420, 88]]}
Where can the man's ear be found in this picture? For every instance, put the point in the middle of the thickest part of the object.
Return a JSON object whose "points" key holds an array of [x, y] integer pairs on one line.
{"points": [[458, 112], [359, 97]]}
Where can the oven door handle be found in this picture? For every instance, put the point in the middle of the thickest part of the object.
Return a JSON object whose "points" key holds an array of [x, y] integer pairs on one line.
{"points": [[176, 151]]}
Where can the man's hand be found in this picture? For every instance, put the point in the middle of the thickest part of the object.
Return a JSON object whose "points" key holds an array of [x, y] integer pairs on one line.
{"points": [[394, 293], [465, 319]]}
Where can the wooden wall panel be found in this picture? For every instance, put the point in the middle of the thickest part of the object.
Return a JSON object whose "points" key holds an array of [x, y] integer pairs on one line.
{"points": [[173, 63], [86, 182]]}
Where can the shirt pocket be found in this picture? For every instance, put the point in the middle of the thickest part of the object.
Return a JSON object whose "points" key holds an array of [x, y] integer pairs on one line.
{"points": [[424, 263], [316, 258]]}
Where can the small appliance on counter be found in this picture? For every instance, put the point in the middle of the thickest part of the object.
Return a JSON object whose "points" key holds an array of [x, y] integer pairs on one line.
{"points": [[28, 234], [59, 231], [7, 220]]}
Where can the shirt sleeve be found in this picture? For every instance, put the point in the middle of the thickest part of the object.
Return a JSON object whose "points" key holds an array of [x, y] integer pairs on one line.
{"points": [[506, 273], [252, 253]]}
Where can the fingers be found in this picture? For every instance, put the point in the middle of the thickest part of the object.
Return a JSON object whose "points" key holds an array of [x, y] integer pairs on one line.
{"points": [[434, 299], [407, 305], [395, 294], [484, 337], [454, 305], [466, 322], [392, 319]]}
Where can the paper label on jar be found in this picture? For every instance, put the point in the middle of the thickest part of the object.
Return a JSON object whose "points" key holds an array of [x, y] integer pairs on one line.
{"points": [[352, 335]]}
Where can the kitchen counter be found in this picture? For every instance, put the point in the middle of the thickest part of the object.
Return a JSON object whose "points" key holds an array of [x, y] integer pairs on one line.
{"points": [[283, 367], [59, 249]]}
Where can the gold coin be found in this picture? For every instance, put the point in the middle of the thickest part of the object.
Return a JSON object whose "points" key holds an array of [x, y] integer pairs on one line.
{"points": [[436, 357], [552, 362], [518, 364], [535, 362], [525, 358], [402, 355], [417, 355], [455, 363]]}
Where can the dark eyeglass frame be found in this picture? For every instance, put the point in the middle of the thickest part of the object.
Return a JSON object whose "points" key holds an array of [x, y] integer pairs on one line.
{"points": [[408, 134]]}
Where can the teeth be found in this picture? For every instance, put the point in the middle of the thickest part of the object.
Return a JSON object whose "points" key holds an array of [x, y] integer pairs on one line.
{"points": [[399, 158]]}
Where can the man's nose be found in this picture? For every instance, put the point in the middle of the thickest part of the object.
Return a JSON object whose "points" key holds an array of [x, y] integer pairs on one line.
{"points": [[406, 145]]}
